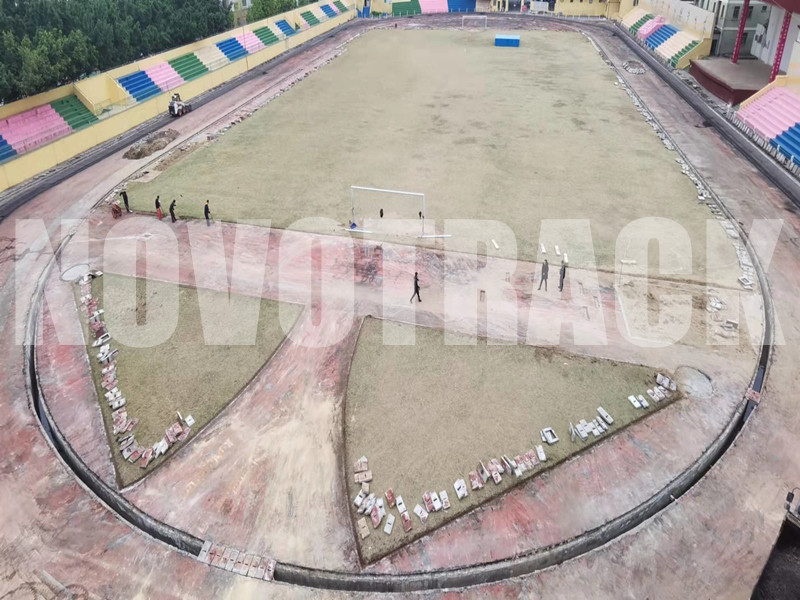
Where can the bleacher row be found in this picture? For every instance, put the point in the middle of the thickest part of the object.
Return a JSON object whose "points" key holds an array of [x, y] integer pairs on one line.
{"points": [[668, 42], [27, 130], [40, 125], [168, 75], [775, 116], [416, 7]]}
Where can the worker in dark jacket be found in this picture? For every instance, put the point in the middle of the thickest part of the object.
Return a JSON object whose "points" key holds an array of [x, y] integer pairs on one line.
{"points": [[124, 195], [207, 214], [545, 270], [416, 288], [172, 211], [562, 273]]}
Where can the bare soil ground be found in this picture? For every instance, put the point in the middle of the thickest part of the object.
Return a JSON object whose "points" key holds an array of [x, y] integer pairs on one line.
{"points": [[152, 143], [183, 373], [425, 415], [517, 136]]}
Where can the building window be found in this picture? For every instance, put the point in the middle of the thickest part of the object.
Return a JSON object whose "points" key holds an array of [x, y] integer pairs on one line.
{"points": [[764, 8], [749, 12], [736, 12], [744, 38]]}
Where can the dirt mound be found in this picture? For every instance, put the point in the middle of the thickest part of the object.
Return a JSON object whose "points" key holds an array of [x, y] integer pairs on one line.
{"points": [[152, 143]]}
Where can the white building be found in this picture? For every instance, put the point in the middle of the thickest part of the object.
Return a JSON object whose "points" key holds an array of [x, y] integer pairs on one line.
{"points": [[767, 38], [727, 15]]}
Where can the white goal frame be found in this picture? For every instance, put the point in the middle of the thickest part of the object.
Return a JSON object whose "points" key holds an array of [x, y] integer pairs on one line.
{"points": [[353, 188], [484, 17]]}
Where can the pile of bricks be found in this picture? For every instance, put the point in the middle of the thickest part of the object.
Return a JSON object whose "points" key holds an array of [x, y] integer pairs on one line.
{"points": [[237, 561], [123, 425], [373, 507]]}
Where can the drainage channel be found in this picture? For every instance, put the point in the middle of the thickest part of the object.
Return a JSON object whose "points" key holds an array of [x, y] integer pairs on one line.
{"points": [[433, 580]]}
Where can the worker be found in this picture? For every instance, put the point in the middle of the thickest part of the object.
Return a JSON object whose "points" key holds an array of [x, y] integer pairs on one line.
{"points": [[158, 208], [124, 195], [416, 288], [207, 214], [172, 210], [545, 270], [562, 273]]}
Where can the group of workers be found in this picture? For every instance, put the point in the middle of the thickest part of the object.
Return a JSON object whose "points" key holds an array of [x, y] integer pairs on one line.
{"points": [[546, 270], [207, 214], [160, 214]]}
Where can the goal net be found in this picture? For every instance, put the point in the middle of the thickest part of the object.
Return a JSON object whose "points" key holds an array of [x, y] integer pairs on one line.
{"points": [[376, 210], [475, 21]]}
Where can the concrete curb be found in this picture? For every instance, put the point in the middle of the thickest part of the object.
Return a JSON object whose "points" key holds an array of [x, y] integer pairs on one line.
{"points": [[478, 574]]}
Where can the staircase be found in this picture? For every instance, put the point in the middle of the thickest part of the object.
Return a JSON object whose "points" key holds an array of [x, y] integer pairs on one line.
{"points": [[232, 49], [188, 66], [772, 113], [74, 112], [139, 85], [660, 36]]}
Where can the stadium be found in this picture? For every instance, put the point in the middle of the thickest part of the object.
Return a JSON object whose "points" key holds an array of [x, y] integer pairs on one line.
{"points": [[216, 384]]}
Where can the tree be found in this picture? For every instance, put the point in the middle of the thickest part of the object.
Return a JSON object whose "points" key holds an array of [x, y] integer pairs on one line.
{"points": [[50, 42], [262, 9]]}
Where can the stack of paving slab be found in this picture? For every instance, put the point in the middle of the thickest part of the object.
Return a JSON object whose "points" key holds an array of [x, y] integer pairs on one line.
{"points": [[596, 427], [237, 561], [123, 425]]}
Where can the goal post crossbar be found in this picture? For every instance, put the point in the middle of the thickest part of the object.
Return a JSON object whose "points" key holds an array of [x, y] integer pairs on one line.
{"points": [[483, 18], [369, 189], [354, 188]]}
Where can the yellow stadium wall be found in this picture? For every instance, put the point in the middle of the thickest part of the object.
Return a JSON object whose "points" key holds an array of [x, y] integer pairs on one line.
{"points": [[576, 8], [378, 6], [102, 91], [625, 6], [702, 50]]}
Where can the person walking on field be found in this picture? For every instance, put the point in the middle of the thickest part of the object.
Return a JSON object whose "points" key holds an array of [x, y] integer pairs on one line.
{"points": [[172, 210], [207, 213], [545, 270], [416, 288], [158, 209], [124, 195], [562, 273]]}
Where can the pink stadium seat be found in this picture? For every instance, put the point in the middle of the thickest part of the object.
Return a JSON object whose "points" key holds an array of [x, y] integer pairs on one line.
{"points": [[250, 42], [164, 76], [650, 27], [433, 6], [772, 113], [32, 128]]}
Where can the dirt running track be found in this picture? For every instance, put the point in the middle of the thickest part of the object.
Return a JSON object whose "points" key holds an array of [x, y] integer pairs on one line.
{"points": [[712, 543]]}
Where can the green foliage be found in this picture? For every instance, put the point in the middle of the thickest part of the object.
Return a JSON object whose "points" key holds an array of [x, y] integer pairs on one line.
{"points": [[262, 9], [51, 42]]}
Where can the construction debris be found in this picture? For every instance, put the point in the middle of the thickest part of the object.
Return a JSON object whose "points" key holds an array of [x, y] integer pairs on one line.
{"points": [[460, 488], [363, 530]]}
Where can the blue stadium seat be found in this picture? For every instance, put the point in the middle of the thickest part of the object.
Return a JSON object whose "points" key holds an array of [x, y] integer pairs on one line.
{"points": [[461, 5], [329, 12], [139, 85], [6, 151], [232, 49], [285, 27], [789, 143], [662, 35]]}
